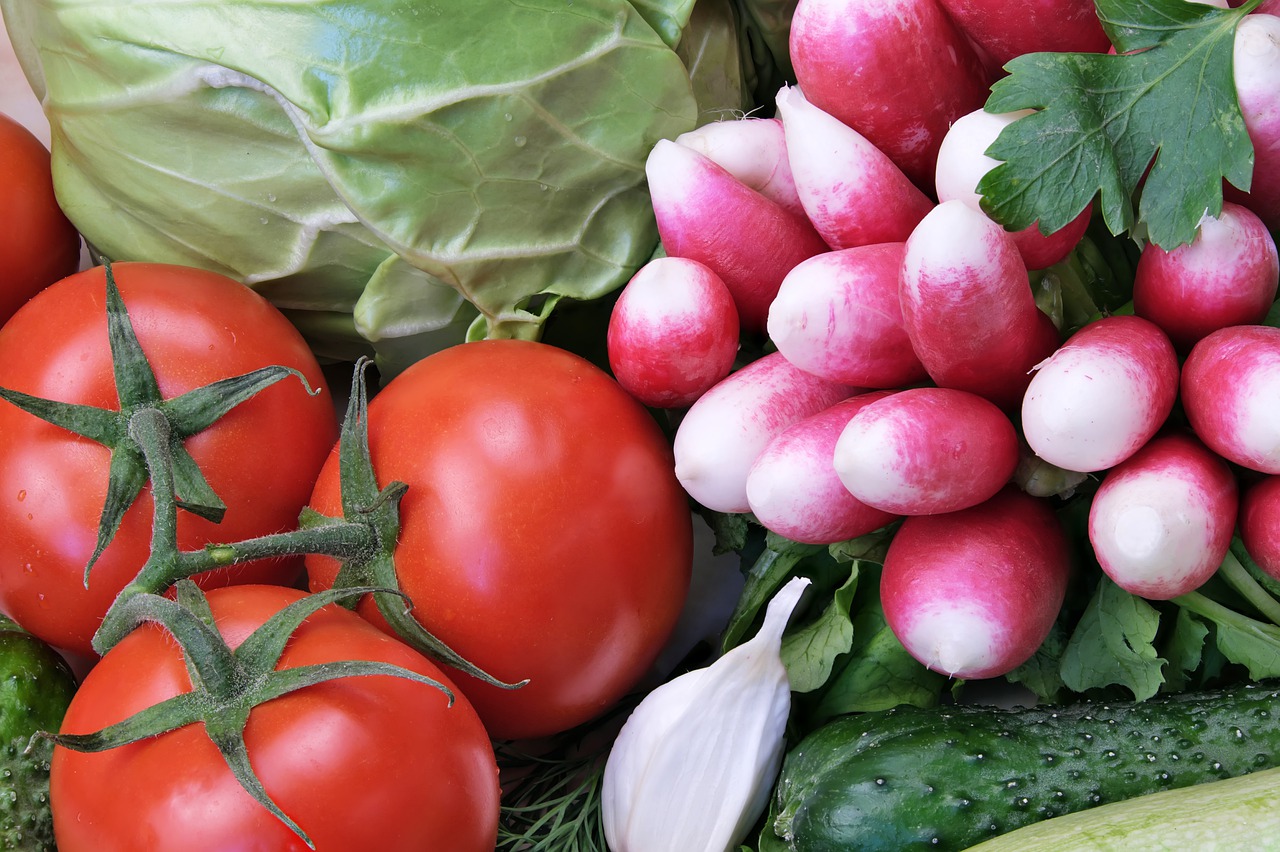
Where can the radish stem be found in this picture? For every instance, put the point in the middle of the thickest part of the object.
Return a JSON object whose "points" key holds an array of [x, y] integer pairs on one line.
{"points": [[1239, 578]]}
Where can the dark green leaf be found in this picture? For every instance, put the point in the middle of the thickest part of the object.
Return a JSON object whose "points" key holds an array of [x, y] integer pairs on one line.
{"points": [[1042, 674], [878, 673], [1184, 650], [810, 651], [1102, 121], [1112, 645], [775, 565]]}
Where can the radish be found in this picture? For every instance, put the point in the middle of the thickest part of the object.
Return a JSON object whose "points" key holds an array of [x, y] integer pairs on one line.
{"points": [[926, 450], [673, 332], [1226, 276], [1003, 29], [974, 593], [1256, 61], [1162, 520], [1102, 395], [1231, 394], [837, 315], [963, 161], [753, 150], [968, 308], [792, 487], [897, 71], [851, 191], [724, 432], [1260, 524], [705, 214]]}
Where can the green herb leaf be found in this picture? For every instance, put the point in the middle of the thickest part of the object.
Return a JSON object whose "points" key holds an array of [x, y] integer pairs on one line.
{"points": [[775, 565], [1042, 674], [810, 652], [1185, 651], [877, 673], [1101, 120], [1251, 643], [1112, 645]]}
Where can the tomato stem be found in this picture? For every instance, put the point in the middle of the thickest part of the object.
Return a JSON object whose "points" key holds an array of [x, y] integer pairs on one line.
{"points": [[227, 684]]}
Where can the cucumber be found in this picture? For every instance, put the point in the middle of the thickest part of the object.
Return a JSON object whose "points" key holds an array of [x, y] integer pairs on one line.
{"points": [[1236, 813], [950, 778], [36, 685]]}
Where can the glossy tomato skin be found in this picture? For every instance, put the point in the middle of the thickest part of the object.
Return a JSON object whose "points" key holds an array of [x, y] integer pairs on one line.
{"points": [[38, 245], [261, 459], [373, 762], [543, 534]]}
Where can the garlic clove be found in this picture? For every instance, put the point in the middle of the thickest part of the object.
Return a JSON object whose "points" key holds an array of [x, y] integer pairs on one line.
{"points": [[694, 765]]}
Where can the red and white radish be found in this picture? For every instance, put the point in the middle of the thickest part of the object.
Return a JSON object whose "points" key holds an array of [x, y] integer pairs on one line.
{"points": [[1260, 524], [706, 214], [1102, 395], [1162, 520], [974, 593], [1256, 70], [968, 308], [922, 451], [838, 315], [1227, 275], [898, 72], [792, 487], [1231, 394], [1003, 29], [963, 161], [673, 332], [724, 432], [753, 150], [851, 191]]}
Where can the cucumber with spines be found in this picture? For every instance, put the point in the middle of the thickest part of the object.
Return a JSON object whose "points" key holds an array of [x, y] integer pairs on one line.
{"points": [[36, 685], [949, 778]]}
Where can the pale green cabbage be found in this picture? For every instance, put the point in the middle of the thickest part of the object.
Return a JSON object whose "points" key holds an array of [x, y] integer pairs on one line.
{"points": [[394, 174]]}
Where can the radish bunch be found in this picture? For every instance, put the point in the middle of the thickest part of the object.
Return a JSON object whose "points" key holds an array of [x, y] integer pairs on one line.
{"points": [[910, 377]]}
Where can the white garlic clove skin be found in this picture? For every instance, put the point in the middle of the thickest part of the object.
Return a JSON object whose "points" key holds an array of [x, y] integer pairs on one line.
{"points": [[694, 765]]}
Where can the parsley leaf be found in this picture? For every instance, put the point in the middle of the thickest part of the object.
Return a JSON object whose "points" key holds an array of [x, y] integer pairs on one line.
{"points": [[1102, 120]]}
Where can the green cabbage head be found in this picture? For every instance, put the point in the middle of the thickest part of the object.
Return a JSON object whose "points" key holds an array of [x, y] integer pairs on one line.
{"points": [[396, 175]]}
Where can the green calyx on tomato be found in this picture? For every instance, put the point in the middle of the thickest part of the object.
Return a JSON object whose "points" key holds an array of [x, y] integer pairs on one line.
{"points": [[142, 412], [146, 439], [228, 684], [377, 509], [543, 534], [185, 415]]}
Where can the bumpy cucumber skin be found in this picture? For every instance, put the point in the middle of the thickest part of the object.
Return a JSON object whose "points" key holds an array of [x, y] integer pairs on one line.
{"points": [[25, 820], [36, 686], [951, 778]]}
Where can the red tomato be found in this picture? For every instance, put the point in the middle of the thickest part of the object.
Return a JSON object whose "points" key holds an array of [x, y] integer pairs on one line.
{"points": [[261, 459], [37, 243], [544, 534], [359, 763]]}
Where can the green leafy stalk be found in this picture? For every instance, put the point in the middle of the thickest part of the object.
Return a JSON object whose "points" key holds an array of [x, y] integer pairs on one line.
{"points": [[1254, 643], [1234, 573], [1160, 115]]}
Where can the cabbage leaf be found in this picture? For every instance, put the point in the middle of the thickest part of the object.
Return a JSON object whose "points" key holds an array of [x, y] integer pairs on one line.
{"points": [[393, 174]]}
